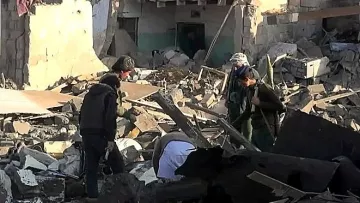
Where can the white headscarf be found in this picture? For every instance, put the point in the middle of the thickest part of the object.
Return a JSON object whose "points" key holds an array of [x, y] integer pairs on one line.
{"points": [[239, 58]]}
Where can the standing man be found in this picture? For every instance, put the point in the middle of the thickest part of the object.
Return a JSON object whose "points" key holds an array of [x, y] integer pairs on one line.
{"points": [[98, 129], [123, 68], [236, 97], [264, 116]]}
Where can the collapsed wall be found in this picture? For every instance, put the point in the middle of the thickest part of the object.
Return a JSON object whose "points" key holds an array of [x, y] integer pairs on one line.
{"points": [[60, 43]]}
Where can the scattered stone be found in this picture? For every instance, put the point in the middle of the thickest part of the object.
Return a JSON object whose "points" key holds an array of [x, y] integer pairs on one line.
{"points": [[61, 120], [208, 100], [22, 128], [79, 88]]}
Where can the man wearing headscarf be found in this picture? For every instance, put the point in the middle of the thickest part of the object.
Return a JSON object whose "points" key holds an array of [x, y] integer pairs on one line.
{"points": [[236, 96]]}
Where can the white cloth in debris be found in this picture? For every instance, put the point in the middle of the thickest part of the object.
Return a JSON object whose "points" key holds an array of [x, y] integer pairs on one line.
{"points": [[173, 156], [239, 58]]}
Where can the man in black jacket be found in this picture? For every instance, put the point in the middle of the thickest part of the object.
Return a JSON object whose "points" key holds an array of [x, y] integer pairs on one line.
{"points": [[264, 116], [98, 128]]}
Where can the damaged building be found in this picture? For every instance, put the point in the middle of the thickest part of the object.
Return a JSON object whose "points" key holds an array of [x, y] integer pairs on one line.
{"points": [[54, 40]]}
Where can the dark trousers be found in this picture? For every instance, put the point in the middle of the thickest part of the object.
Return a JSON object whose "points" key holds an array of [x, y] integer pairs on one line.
{"points": [[95, 146]]}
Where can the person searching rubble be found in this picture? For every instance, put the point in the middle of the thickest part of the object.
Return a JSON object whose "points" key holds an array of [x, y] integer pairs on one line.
{"points": [[97, 120], [124, 67], [262, 106], [171, 152], [236, 99]]}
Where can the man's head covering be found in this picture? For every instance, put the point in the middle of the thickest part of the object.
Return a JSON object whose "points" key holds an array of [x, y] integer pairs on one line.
{"points": [[239, 58], [124, 64], [111, 79]]}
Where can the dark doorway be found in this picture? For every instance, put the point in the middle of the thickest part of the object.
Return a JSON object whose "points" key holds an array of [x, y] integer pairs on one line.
{"points": [[130, 25], [190, 37]]}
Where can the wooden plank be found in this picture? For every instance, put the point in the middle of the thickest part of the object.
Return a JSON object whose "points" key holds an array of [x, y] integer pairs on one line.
{"points": [[329, 13], [48, 99], [13, 101], [138, 91]]}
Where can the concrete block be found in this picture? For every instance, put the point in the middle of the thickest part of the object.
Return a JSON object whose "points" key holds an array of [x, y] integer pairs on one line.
{"points": [[208, 100], [271, 20], [310, 3], [40, 156]]}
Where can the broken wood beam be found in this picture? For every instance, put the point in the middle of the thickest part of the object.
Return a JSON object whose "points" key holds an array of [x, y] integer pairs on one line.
{"points": [[330, 13], [335, 97], [206, 110], [220, 73], [236, 134], [179, 118], [286, 190], [158, 108]]}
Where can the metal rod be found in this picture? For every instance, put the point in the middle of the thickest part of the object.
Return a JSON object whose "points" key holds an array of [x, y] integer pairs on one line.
{"points": [[219, 31]]}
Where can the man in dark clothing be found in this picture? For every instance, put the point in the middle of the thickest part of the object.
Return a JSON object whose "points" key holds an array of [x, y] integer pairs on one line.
{"points": [[264, 116], [98, 129], [236, 97], [123, 68]]}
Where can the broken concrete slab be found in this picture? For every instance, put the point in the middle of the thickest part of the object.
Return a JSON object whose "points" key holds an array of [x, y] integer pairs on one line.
{"points": [[310, 131], [307, 67], [40, 156], [145, 122], [30, 163], [24, 179]]}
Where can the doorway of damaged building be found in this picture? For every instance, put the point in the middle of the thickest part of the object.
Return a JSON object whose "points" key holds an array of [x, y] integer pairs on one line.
{"points": [[126, 35], [190, 37]]}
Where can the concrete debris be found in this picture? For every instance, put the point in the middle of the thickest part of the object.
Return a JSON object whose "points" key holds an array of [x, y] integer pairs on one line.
{"points": [[41, 145]]}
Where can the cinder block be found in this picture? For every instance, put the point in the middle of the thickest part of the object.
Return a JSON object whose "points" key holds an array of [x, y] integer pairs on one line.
{"points": [[310, 3], [271, 20]]}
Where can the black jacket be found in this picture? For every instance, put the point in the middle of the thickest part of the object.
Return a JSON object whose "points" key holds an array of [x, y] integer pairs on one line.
{"points": [[270, 105], [99, 112]]}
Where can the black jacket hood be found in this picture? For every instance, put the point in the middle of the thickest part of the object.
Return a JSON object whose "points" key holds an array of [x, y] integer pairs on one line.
{"points": [[101, 88]]}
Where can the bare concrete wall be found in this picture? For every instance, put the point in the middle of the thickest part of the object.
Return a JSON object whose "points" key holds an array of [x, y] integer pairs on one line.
{"points": [[12, 43], [60, 43], [100, 22]]}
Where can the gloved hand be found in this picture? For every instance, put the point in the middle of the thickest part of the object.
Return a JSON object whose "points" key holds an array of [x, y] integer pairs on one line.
{"points": [[132, 118]]}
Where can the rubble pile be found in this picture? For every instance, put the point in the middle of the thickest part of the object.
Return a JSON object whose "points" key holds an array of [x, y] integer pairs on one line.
{"points": [[42, 157], [319, 79]]}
